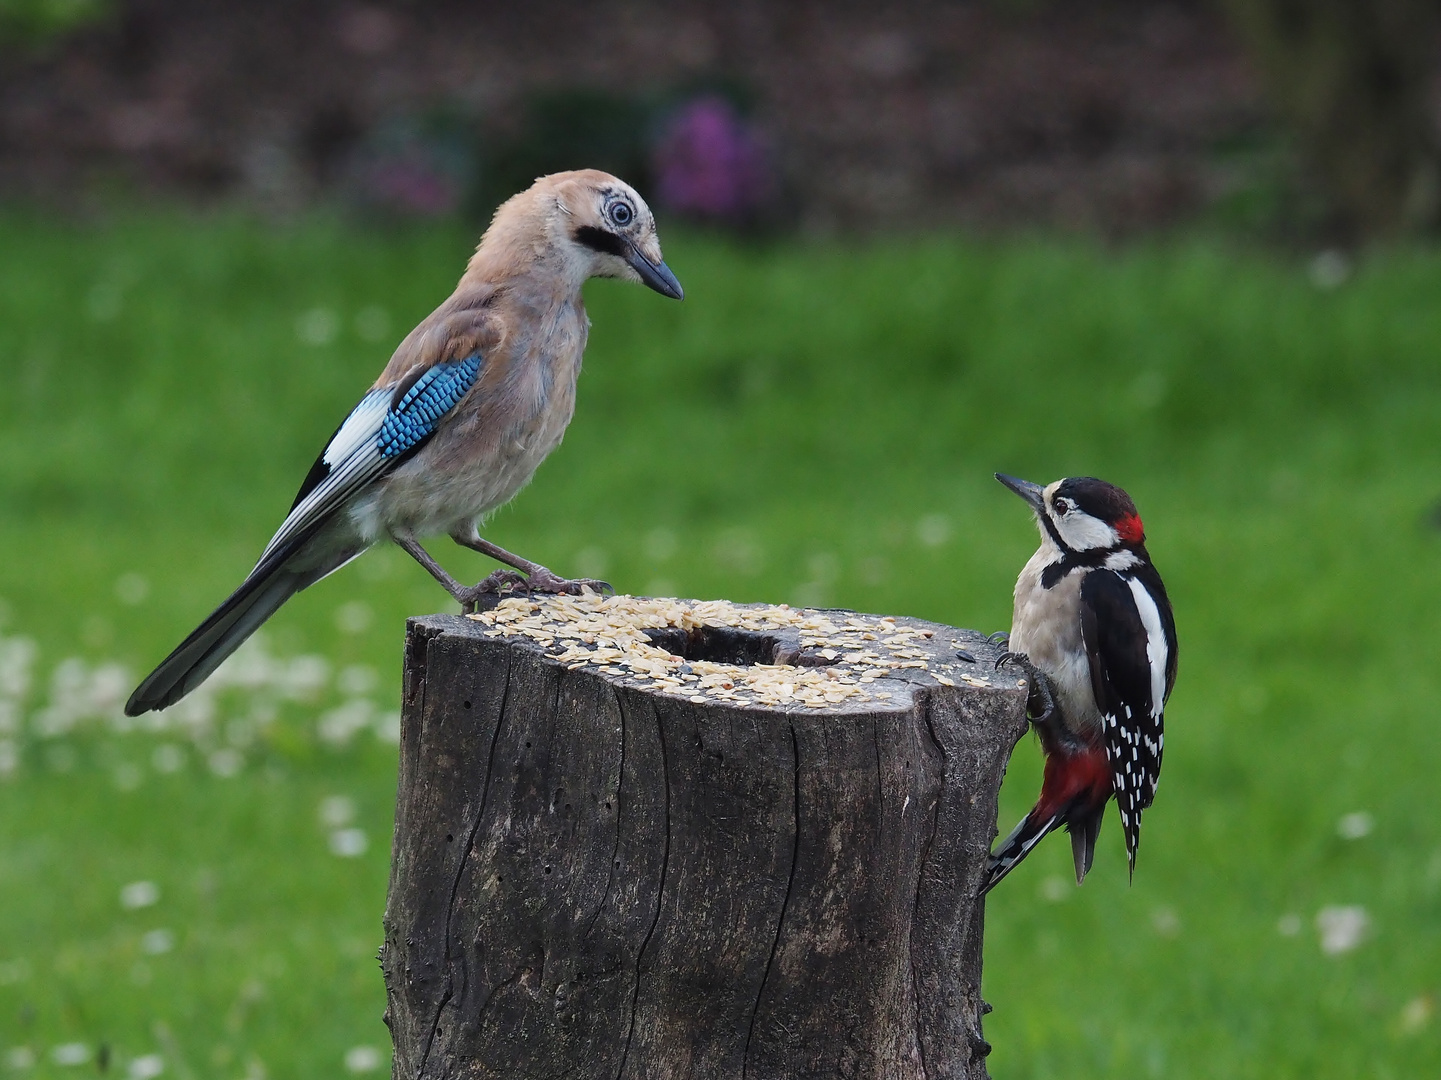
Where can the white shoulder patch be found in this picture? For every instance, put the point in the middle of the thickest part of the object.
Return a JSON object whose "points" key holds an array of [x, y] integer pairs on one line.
{"points": [[1121, 560], [1156, 651]]}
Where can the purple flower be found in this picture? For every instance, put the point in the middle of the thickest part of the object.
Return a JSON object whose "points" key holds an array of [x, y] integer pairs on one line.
{"points": [[710, 163], [413, 185]]}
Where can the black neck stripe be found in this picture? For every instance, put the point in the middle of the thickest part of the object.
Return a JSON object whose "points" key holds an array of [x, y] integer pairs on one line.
{"points": [[1071, 560]]}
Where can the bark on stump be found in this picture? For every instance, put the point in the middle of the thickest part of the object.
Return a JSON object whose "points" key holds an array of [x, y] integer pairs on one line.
{"points": [[600, 873]]}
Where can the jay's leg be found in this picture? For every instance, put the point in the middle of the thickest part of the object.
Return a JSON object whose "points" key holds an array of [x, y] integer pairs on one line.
{"points": [[538, 578], [467, 596]]}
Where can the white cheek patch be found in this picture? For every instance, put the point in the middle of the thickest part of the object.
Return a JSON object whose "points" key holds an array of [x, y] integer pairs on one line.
{"points": [[1082, 532], [1156, 651]]}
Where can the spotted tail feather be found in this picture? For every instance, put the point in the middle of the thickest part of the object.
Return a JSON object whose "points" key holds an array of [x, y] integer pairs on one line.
{"points": [[1032, 829]]}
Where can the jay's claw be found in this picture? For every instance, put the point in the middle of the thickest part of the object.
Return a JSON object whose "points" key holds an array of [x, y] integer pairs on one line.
{"points": [[496, 584], [544, 581], [1040, 692], [509, 582]]}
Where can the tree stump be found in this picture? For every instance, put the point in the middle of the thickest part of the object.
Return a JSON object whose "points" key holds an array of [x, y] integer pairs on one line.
{"points": [[661, 838]]}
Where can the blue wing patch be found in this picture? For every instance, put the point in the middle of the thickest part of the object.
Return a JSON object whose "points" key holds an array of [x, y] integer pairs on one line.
{"points": [[412, 419]]}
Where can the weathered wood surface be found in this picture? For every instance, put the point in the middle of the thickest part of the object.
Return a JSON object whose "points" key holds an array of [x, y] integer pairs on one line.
{"points": [[594, 879]]}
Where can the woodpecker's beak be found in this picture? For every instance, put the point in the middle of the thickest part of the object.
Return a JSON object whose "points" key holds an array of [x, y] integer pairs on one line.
{"points": [[656, 275], [1032, 493]]}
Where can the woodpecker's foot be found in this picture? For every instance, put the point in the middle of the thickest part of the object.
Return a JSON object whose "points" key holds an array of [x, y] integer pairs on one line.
{"points": [[1040, 704], [542, 580], [1000, 637]]}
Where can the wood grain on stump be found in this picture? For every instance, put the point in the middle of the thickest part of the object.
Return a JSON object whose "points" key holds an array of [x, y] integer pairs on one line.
{"points": [[674, 839]]}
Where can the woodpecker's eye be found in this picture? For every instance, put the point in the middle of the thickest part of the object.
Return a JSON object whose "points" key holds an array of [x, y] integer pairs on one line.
{"points": [[1062, 506], [621, 214]]}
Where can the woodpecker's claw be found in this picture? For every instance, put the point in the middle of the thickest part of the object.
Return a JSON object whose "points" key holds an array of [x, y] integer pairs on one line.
{"points": [[1040, 690], [1000, 637]]}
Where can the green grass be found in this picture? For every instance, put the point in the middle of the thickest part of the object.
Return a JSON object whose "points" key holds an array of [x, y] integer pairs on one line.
{"points": [[818, 424]]}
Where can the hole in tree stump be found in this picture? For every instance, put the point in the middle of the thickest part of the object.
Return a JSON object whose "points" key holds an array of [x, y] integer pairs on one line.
{"points": [[726, 645]]}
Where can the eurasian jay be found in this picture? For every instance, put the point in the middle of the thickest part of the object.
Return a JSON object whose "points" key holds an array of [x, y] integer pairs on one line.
{"points": [[470, 404]]}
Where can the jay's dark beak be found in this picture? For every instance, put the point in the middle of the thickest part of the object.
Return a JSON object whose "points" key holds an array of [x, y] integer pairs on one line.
{"points": [[1032, 493], [655, 275]]}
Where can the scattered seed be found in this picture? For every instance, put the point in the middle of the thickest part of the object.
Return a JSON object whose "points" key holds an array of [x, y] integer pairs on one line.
{"points": [[608, 634]]}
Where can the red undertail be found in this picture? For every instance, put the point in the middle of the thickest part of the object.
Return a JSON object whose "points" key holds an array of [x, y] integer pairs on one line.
{"points": [[1074, 792]]}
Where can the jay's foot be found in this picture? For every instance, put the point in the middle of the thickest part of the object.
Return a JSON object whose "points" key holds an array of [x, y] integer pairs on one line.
{"points": [[538, 579], [542, 580], [511, 582], [496, 584], [1040, 704]]}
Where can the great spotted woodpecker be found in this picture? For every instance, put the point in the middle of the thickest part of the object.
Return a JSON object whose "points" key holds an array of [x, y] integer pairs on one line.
{"points": [[1093, 628]]}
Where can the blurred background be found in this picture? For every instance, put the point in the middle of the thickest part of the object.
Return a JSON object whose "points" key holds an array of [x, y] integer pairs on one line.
{"points": [[1185, 246]]}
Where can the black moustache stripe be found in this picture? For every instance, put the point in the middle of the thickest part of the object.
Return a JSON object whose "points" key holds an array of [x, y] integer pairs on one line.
{"points": [[600, 240], [1071, 560]]}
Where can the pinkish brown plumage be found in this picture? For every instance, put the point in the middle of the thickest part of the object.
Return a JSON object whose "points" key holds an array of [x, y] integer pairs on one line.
{"points": [[469, 405]]}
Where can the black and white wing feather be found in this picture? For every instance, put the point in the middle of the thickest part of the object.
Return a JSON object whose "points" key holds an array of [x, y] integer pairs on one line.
{"points": [[1130, 639], [388, 425]]}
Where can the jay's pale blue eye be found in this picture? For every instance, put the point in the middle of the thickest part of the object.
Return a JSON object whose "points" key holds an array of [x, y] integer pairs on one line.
{"points": [[621, 214]]}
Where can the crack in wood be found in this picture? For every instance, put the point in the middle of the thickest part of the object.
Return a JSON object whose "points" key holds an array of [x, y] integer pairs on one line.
{"points": [[460, 872], [785, 900], [880, 773], [660, 893], [619, 787], [516, 977], [925, 703]]}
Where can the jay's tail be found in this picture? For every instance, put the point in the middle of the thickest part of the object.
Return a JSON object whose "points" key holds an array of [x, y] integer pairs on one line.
{"points": [[260, 595]]}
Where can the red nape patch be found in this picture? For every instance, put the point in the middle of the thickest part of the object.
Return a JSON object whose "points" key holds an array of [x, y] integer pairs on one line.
{"points": [[1131, 529], [1070, 776]]}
